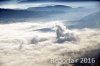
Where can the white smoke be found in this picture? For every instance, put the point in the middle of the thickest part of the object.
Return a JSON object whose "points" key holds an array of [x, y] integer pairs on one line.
{"points": [[27, 44]]}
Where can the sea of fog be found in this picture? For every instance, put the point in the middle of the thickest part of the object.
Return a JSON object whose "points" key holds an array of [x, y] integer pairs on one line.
{"points": [[45, 44], [52, 34]]}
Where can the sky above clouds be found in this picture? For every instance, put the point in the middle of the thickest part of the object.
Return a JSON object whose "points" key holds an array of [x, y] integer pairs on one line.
{"points": [[44, 0], [24, 4]]}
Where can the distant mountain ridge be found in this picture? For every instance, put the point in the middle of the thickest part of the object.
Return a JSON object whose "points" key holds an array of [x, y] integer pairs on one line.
{"points": [[50, 8], [52, 12], [90, 21], [7, 15], [32, 12]]}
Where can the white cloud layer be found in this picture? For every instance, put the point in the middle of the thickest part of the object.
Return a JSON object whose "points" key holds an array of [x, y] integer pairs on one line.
{"points": [[27, 44]]}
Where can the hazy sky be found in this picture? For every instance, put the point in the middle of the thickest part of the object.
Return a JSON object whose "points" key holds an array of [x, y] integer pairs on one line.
{"points": [[24, 4], [45, 0]]}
